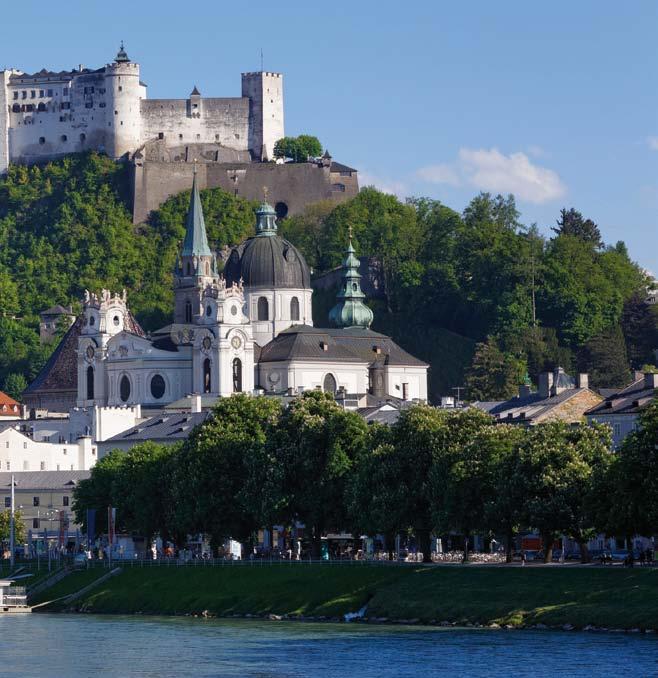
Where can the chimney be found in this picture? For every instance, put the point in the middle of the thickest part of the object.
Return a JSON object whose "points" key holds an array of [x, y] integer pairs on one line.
{"points": [[545, 384], [558, 372], [650, 380], [582, 380], [195, 404]]}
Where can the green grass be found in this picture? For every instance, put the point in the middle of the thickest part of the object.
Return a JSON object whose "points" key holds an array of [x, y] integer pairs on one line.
{"points": [[73, 582], [615, 598]]}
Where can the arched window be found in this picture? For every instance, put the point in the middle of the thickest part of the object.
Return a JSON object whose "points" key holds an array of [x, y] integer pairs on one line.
{"points": [[124, 388], [329, 384], [263, 309], [237, 375], [90, 383], [206, 376], [188, 311], [294, 309], [188, 268]]}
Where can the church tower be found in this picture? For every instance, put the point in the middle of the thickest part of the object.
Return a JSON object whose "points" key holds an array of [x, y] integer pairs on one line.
{"points": [[351, 310], [196, 267]]}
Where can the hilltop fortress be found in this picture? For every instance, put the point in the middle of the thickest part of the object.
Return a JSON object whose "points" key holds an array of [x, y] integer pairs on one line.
{"points": [[47, 115]]}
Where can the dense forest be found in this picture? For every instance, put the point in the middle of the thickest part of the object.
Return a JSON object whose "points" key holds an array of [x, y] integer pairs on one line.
{"points": [[486, 299]]}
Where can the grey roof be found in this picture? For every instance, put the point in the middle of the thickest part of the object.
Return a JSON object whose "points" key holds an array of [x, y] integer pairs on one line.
{"points": [[167, 426], [379, 415], [347, 344], [57, 310], [267, 262], [629, 400], [339, 167], [526, 409], [43, 480]]}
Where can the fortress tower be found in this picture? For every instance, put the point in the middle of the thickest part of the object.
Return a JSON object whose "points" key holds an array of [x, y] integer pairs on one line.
{"points": [[124, 93], [265, 93]]}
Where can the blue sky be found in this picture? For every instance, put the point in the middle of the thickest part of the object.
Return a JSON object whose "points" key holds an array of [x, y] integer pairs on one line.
{"points": [[556, 102]]}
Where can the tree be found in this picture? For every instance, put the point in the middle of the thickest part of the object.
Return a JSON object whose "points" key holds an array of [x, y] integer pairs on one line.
{"points": [[605, 359], [571, 222], [15, 384], [628, 503], [318, 445], [5, 527], [9, 304], [558, 464], [227, 479], [298, 149], [639, 323], [493, 374]]}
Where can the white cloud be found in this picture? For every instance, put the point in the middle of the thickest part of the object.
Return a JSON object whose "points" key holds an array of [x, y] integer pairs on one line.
{"points": [[440, 174], [395, 187], [652, 143], [491, 170], [536, 151]]}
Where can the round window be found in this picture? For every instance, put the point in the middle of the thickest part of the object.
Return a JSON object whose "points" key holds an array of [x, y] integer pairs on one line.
{"points": [[116, 320], [124, 388], [157, 386]]}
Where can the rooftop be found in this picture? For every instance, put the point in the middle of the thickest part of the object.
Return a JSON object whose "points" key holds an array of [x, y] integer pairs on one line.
{"points": [[43, 480]]}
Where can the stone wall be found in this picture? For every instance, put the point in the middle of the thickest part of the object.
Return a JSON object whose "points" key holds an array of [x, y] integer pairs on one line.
{"points": [[291, 187]]}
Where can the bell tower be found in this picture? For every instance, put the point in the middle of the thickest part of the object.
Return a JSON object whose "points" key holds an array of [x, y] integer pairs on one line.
{"points": [[196, 266]]}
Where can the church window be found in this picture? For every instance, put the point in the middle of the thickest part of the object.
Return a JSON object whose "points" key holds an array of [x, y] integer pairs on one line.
{"points": [[329, 384], [263, 309], [237, 375], [188, 311], [294, 309], [83, 137], [206, 376], [92, 320], [90, 383], [157, 386], [208, 310], [42, 140], [355, 287], [64, 137], [124, 388], [116, 320]]}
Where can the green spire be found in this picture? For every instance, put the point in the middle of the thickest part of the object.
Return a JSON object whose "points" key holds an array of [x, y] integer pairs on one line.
{"points": [[196, 240], [350, 311], [122, 56]]}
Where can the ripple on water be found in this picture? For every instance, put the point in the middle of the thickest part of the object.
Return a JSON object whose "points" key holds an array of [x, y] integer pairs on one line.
{"points": [[85, 645]]}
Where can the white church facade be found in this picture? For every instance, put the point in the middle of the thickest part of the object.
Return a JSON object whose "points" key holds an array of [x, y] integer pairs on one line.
{"points": [[248, 329]]}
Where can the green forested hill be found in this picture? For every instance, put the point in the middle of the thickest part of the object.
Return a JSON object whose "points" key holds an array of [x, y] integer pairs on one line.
{"points": [[455, 285]]}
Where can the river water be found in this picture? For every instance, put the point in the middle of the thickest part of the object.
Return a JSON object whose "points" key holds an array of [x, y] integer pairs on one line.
{"points": [[54, 646]]}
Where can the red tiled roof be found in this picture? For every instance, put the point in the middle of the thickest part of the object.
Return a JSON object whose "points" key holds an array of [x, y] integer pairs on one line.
{"points": [[8, 406]]}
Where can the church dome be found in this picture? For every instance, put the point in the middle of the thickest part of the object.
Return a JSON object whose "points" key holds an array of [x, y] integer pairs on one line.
{"points": [[267, 260]]}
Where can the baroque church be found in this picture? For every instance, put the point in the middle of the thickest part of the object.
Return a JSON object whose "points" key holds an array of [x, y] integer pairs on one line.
{"points": [[247, 329]]}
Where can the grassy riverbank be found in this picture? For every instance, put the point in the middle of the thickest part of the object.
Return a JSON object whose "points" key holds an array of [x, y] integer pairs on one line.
{"points": [[614, 598]]}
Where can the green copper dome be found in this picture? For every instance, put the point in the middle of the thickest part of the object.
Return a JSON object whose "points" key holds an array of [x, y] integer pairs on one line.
{"points": [[350, 311]]}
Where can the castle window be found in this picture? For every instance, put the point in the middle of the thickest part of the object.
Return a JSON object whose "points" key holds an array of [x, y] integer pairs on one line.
{"points": [[23, 94], [294, 309], [120, 88], [263, 309], [208, 310], [216, 137], [157, 386], [180, 136], [42, 140], [160, 135], [64, 137], [329, 384], [90, 383], [338, 187], [41, 94], [206, 376], [83, 136], [188, 311], [15, 95], [237, 375], [50, 92], [92, 320], [198, 136], [33, 94], [124, 388], [16, 108]]}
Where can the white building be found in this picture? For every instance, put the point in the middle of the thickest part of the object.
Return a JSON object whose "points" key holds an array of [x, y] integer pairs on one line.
{"points": [[250, 330], [48, 114]]}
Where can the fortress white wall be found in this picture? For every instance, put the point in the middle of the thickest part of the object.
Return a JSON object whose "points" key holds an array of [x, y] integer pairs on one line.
{"points": [[213, 121], [46, 115]]}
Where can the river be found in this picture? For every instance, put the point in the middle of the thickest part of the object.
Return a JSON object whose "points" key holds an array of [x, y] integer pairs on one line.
{"points": [[54, 646]]}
